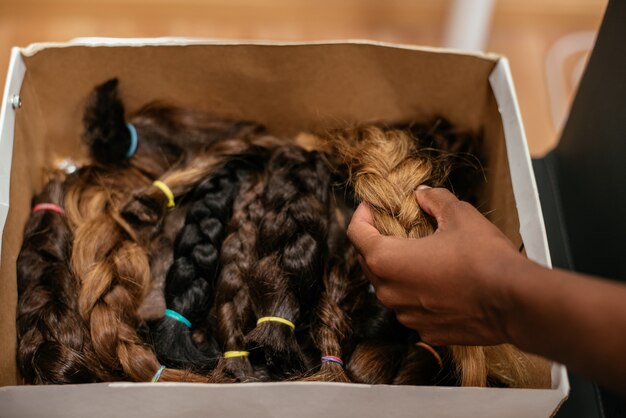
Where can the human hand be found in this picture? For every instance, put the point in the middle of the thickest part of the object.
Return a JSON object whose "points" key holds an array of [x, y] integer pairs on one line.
{"points": [[453, 286]]}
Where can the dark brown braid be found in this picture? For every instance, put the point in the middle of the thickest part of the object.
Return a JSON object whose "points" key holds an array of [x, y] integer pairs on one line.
{"points": [[53, 342], [233, 314], [290, 249]]}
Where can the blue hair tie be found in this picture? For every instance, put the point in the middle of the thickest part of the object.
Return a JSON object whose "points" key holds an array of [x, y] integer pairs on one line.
{"points": [[157, 375], [175, 315], [133, 140]]}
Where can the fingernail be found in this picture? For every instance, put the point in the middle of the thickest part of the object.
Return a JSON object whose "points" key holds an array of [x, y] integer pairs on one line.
{"points": [[423, 187]]}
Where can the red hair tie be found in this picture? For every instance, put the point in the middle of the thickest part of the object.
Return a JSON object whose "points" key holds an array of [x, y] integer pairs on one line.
{"points": [[49, 206]]}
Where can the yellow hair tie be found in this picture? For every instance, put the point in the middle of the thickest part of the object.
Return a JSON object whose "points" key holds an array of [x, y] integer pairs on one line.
{"points": [[166, 191], [231, 354], [276, 319], [432, 351]]}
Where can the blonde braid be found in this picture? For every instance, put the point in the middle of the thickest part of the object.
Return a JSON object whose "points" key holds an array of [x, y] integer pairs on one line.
{"points": [[385, 168]]}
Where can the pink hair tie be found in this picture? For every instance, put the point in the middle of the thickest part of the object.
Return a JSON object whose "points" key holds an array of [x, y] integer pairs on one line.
{"points": [[49, 206]]}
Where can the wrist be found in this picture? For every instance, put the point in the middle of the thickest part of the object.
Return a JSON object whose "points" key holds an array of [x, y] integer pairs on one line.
{"points": [[521, 287], [508, 276]]}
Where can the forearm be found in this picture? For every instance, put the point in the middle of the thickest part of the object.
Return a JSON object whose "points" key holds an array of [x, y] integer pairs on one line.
{"points": [[576, 320]]}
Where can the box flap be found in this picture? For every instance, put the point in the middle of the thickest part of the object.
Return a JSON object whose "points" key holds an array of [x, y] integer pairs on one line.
{"points": [[297, 399]]}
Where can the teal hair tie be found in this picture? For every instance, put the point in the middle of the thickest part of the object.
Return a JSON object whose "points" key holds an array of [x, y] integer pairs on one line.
{"points": [[175, 315], [157, 375], [133, 140]]}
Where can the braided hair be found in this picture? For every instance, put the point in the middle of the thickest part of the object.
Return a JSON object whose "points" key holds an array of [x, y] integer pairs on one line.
{"points": [[290, 256], [190, 280], [53, 341]]}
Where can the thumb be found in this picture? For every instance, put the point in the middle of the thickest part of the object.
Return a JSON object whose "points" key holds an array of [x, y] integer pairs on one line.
{"points": [[361, 230], [440, 203]]}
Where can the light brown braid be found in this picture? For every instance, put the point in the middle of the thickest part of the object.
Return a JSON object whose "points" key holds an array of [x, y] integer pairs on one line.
{"points": [[385, 167]]}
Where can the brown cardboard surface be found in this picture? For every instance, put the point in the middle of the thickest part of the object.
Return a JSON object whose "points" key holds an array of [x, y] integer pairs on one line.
{"points": [[496, 204], [289, 88]]}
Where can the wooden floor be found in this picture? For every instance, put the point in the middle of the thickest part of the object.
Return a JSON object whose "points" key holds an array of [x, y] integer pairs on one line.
{"points": [[545, 40]]}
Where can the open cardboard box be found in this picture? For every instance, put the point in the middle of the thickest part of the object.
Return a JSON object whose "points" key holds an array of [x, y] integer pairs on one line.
{"points": [[289, 88]]}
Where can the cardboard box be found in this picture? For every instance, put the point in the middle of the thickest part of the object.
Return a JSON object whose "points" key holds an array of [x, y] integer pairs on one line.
{"points": [[288, 87]]}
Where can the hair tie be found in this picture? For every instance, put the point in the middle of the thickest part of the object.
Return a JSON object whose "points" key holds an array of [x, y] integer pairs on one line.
{"points": [[332, 359], [49, 206], [133, 140], [157, 375], [432, 351], [175, 315], [276, 319], [166, 191], [231, 354]]}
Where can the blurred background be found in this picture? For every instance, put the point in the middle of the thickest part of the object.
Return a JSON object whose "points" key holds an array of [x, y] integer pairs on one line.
{"points": [[546, 41]]}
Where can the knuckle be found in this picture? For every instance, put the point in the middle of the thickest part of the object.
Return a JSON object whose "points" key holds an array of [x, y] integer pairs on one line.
{"points": [[426, 335], [432, 336], [444, 199], [404, 318], [439, 192], [434, 339], [376, 260], [351, 232], [385, 295], [464, 206]]}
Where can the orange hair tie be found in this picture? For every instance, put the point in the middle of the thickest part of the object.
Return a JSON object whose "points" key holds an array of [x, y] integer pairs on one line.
{"points": [[431, 351]]}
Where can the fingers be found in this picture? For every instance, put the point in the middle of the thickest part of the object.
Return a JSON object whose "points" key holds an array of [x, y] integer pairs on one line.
{"points": [[439, 202], [437, 329], [361, 230]]}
